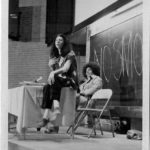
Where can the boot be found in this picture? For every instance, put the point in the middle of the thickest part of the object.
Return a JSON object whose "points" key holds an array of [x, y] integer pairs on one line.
{"points": [[43, 123], [52, 130]]}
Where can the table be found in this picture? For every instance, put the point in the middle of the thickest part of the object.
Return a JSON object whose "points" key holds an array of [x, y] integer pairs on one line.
{"points": [[25, 101]]}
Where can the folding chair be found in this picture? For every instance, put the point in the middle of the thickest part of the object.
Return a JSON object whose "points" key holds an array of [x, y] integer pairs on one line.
{"points": [[103, 95], [79, 117]]}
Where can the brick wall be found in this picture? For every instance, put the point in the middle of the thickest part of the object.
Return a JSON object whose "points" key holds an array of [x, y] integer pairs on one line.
{"points": [[27, 61]]}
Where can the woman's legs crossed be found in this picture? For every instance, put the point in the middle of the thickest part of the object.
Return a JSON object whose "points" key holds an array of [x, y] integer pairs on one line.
{"points": [[51, 96]]}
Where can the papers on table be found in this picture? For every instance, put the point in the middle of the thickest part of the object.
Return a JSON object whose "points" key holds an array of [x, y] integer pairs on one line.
{"points": [[31, 83]]}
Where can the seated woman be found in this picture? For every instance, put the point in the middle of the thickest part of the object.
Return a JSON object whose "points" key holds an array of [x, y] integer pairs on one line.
{"points": [[93, 82], [63, 74]]}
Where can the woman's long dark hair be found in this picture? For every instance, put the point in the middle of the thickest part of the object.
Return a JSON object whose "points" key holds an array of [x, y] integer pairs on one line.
{"points": [[66, 48], [94, 66]]}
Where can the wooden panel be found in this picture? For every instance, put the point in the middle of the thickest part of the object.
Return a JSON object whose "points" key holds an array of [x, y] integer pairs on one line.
{"points": [[127, 111], [59, 18], [26, 23]]}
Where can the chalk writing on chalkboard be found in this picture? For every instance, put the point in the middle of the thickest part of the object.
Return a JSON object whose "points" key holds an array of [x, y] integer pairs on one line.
{"points": [[127, 54]]}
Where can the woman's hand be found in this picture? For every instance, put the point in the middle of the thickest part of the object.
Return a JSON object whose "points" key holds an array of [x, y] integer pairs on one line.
{"points": [[82, 94], [52, 61], [51, 78]]}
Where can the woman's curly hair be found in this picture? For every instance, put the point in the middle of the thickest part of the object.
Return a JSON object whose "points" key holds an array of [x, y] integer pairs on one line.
{"points": [[94, 66]]}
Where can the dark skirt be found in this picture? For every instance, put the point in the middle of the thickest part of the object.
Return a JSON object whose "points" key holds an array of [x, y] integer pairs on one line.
{"points": [[52, 92]]}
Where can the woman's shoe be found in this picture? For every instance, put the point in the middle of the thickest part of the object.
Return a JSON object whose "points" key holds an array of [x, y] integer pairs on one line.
{"points": [[43, 123], [52, 130], [38, 129]]}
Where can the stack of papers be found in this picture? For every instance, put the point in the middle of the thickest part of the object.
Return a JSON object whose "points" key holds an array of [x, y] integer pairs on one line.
{"points": [[31, 83]]}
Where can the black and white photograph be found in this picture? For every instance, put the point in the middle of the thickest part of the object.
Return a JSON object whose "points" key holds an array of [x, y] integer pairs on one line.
{"points": [[75, 74]]}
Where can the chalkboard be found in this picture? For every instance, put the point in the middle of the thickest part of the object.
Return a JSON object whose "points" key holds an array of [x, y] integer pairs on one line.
{"points": [[118, 51]]}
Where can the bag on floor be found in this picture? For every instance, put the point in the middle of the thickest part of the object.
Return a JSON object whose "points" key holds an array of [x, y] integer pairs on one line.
{"points": [[134, 134]]}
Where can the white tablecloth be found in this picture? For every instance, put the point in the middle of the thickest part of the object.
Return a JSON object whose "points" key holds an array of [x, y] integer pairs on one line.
{"points": [[24, 102]]}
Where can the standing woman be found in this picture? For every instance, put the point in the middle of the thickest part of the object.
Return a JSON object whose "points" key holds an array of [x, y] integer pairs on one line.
{"points": [[63, 74]]}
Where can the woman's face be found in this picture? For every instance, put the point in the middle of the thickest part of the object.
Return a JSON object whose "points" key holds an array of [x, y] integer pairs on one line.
{"points": [[89, 72], [59, 42]]}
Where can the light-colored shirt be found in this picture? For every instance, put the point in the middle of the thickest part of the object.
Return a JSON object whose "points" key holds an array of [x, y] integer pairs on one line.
{"points": [[90, 86]]}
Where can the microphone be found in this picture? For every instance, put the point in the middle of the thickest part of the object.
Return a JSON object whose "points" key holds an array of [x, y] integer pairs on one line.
{"points": [[38, 79]]}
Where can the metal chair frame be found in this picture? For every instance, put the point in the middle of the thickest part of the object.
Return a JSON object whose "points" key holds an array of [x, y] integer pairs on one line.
{"points": [[104, 94]]}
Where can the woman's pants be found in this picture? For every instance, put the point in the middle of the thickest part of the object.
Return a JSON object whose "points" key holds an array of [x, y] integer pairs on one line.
{"points": [[53, 92]]}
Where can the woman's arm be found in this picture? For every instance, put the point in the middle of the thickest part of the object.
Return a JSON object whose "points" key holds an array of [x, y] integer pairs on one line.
{"points": [[97, 84], [52, 61], [63, 69]]}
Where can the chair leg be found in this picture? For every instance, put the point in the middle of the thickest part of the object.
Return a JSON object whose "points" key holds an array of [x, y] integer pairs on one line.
{"points": [[112, 128], [95, 131], [79, 119], [74, 126], [76, 119], [93, 128], [100, 126], [69, 129], [94, 125], [72, 133]]}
